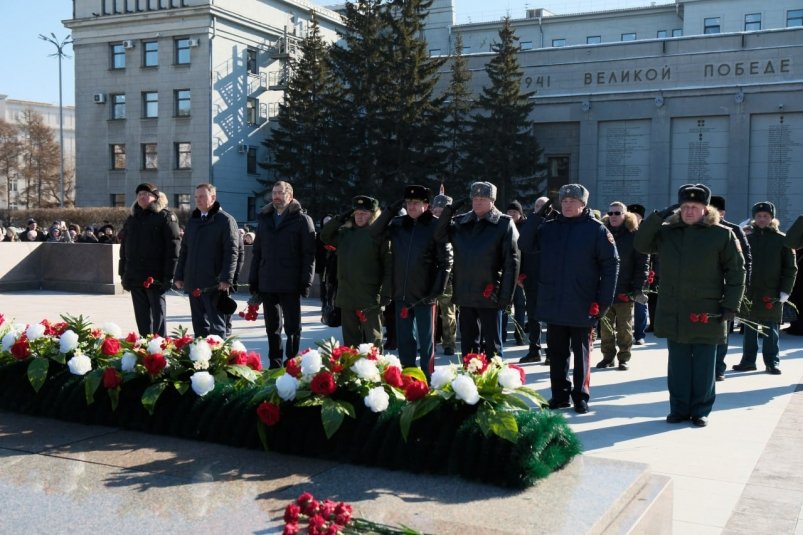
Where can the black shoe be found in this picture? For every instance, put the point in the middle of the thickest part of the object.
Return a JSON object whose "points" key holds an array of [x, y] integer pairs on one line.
{"points": [[773, 370], [581, 407], [605, 363], [448, 351], [530, 357], [546, 361], [624, 366], [553, 404], [744, 367], [700, 421], [720, 377], [675, 418]]}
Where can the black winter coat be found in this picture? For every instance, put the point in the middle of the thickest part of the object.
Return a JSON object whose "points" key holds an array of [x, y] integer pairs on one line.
{"points": [[149, 246], [209, 250]]}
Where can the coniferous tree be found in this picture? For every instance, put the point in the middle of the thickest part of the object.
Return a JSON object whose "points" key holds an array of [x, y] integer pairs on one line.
{"points": [[457, 125], [504, 148]]}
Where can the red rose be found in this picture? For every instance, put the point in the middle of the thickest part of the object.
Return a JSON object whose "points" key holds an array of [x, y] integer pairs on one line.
{"points": [[237, 357], [343, 513], [404, 313], [329, 247], [521, 372], [650, 277], [110, 347], [476, 356], [132, 338], [291, 528], [183, 341], [292, 512], [339, 351], [335, 366], [767, 299], [316, 522], [361, 316], [148, 282], [704, 317], [59, 328], [328, 508], [112, 378], [323, 384], [694, 317], [154, 363], [20, 349], [293, 367], [623, 298], [2, 319], [593, 309], [488, 291], [254, 361], [415, 389], [196, 292], [241, 314], [393, 376], [768, 306], [268, 413], [304, 497]]}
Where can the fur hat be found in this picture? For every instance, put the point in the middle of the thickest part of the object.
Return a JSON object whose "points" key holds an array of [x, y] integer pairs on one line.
{"points": [[515, 205], [718, 202], [417, 193], [441, 201], [637, 209], [573, 191], [149, 187], [694, 193], [763, 206], [364, 202], [482, 189]]}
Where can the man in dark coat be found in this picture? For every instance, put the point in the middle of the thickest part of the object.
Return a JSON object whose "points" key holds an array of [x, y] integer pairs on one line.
{"points": [[207, 261], [516, 213], [640, 310], [702, 282], [486, 267], [282, 268], [447, 310], [148, 255], [32, 232], [576, 274]]}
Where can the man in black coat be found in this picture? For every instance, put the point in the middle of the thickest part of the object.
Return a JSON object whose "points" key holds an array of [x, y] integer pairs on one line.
{"points": [[282, 268], [148, 255], [207, 261]]}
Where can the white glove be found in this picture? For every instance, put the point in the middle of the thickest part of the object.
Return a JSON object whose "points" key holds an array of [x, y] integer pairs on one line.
{"points": [[784, 297]]}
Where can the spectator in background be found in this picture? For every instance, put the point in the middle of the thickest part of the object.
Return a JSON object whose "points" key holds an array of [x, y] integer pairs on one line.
{"points": [[10, 235], [248, 238], [55, 235], [88, 236], [106, 234], [516, 213], [32, 232], [74, 230]]}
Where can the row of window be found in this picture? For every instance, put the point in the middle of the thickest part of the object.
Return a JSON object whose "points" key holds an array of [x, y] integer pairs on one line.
{"points": [[149, 156], [181, 201], [150, 52], [150, 104]]}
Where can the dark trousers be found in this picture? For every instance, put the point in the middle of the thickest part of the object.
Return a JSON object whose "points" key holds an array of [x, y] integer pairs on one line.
{"points": [[639, 320], [722, 351], [519, 308], [415, 334], [150, 311], [769, 344], [206, 318], [562, 342], [690, 378], [356, 332], [485, 322], [282, 310], [534, 332]]}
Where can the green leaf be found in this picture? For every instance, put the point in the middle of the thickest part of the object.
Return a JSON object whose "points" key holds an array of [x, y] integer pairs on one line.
{"points": [[114, 397], [59, 358], [332, 414], [244, 372], [263, 435], [91, 383], [37, 372], [415, 372], [181, 386], [151, 396], [500, 423], [415, 410]]}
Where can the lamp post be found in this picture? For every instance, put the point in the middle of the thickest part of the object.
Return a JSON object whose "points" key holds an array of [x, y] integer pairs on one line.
{"points": [[60, 53]]}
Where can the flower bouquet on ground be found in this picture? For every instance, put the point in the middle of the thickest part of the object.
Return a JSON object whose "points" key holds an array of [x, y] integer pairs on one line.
{"points": [[252, 311]]}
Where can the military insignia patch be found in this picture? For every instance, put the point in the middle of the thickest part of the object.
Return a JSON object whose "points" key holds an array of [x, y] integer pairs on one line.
{"points": [[610, 237]]}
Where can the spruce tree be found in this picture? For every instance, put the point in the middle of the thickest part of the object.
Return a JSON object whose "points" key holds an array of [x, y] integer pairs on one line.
{"points": [[457, 124]]}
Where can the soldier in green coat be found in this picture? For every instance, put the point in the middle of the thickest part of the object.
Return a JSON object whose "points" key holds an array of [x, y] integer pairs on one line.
{"points": [[794, 236], [774, 272], [364, 271], [702, 278]]}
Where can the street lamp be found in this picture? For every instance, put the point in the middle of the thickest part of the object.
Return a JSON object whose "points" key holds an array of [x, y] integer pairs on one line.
{"points": [[60, 53]]}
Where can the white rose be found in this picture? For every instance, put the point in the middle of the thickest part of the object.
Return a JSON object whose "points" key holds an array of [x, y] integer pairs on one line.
{"points": [[202, 383], [128, 362], [19, 328], [390, 360], [238, 346], [34, 332], [155, 345], [112, 329], [80, 364], [8, 340], [366, 369], [214, 340], [465, 389], [365, 349], [286, 386], [442, 377], [311, 362], [200, 351], [510, 378], [377, 399], [68, 341]]}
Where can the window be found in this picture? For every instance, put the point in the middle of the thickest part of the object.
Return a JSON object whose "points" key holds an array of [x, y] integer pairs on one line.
{"points": [[182, 201], [183, 103], [150, 104], [183, 155], [557, 174], [118, 56], [434, 51], [558, 42], [182, 51], [662, 34], [251, 209], [150, 157], [593, 40], [794, 17], [150, 54], [14, 185], [251, 111], [711, 25], [752, 22], [118, 200], [118, 106], [526, 45], [251, 161], [628, 37], [677, 32], [466, 50], [118, 156], [251, 61]]}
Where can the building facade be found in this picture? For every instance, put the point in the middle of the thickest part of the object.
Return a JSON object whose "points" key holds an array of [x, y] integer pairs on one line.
{"points": [[179, 92]]}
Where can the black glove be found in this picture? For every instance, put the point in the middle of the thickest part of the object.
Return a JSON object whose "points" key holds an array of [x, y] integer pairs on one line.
{"points": [[396, 206], [726, 314], [166, 286], [459, 205], [668, 211], [253, 288], [345, 216], [545, 209], [126, 287], [385, 300]]}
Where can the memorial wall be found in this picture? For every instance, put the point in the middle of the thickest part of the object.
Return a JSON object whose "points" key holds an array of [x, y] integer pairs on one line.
{"points": [[700, 153], [776, 162], [624, 161]]}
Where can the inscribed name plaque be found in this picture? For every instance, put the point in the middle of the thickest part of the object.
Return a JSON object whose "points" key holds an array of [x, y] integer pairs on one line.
{"points": [[700, 153], [624, 161], [776, 162]]}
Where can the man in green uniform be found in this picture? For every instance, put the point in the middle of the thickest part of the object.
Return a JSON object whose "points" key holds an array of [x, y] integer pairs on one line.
{"points": [[794, 236]]}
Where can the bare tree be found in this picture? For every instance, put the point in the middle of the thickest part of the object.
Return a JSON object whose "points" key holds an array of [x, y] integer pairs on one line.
{"points": [[40, 162], [10, 149]]}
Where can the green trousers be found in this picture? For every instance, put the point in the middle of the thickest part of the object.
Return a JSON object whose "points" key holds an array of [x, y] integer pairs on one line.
{"points": [[690, 378]]}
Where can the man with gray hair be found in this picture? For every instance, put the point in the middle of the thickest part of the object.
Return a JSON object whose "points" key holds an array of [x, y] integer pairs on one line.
{"points": [[486, 267]]}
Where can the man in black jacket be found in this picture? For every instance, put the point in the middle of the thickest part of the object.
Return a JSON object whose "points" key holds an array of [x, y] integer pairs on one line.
{"points": [[207, 261], [282, 268], [148, 254]]}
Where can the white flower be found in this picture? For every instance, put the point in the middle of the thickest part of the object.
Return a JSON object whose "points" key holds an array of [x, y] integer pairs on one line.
{"points": [[19, 327], [35, 331], [465, 389], [366, 369], [200, 351], [311, 362], [377, 399], [214, 340], [365, 349], [497, 361], [442, 376], [390, 360], [112, 329], [68, 341], [510, 378], [128, 362], [8, 340], [202, 383], [201, 365], [238, 346], [155, 345], [80, 364], [286, 386]]}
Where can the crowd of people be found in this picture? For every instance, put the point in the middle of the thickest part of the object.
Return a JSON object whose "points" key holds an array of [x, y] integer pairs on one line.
{"points": [[60, 231]]}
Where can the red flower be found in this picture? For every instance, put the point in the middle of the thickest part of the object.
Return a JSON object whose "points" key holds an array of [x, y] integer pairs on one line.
{"points": [[704, 317], [110, 347], [328, 508], [521, 372], [651, 277], [623, 298], [196, 292], [59, 328], [112, 378], [476, 356], [154, 363], [237, 357], [291, 528], [415, 389], [329, 247], [333, 529], [148, 282], [304, 497], [323, 384], [49, 329], [593, 309], [269, 414], [343, 513], [694, 317], [254, 361], [767, 299], [522, 278], [768, 306], [361, 316], [335, 366], [404, 313], [96, 333], [292, 512], [2, 319], [316, 522], [339, 351], [488, 291], [132, 338], [183, 341], [393, 376], [293, 367], [20, 349]]}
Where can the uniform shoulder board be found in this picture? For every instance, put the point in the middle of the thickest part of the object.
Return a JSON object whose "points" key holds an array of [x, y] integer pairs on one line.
{"points": [[173, 218]]}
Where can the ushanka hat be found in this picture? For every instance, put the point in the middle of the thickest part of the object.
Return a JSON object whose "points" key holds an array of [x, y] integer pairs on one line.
{"points": [[764, 206], [441, 201], [417, 193], [482, 189], [694, 193], [149, 187], [364, 202], [573, 191], [637, 209], [718, 202], [515, 205]]}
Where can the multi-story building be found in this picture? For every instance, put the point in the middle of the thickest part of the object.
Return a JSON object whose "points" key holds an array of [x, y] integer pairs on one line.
{"points": [[179, 92], [12, 111]]}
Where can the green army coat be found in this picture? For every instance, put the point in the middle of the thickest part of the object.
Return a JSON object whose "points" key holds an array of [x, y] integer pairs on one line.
{"points": [[794, 236], [701, 272], [774, 271]]}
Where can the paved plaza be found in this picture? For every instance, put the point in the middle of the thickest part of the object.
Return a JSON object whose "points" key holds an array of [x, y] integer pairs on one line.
{"points": [[741, 474]]}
